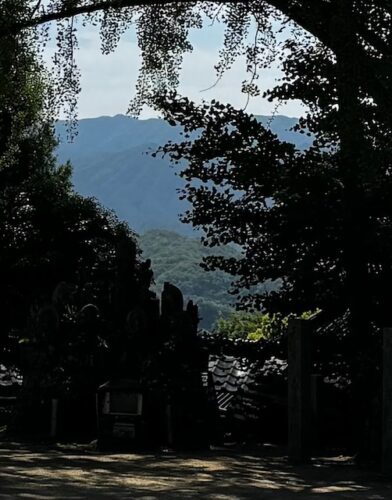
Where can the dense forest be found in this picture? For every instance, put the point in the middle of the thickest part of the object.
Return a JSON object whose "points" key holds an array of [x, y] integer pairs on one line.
{"points": [[177, 259]]}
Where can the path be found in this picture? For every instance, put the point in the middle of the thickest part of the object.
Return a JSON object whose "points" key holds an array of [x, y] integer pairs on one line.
{"points": [[41, 473]]}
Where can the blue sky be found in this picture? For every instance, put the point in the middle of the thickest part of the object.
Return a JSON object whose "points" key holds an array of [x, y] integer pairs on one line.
{"points": [[108, 81]]}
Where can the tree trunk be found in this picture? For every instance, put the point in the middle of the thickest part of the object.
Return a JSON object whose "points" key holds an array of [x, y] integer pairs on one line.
{"points": [[356, 221]]}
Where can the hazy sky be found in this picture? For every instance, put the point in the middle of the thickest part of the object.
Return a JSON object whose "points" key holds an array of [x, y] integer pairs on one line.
{"points": [[108, 81]]}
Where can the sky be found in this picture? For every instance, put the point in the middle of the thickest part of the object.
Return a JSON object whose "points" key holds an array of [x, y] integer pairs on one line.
{"points": [[108, 81]]}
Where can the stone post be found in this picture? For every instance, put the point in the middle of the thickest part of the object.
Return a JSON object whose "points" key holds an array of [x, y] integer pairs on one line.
{"points": [[299, 391], [387, 402]]}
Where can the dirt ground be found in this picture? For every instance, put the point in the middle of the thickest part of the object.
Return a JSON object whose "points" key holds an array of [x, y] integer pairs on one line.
{"points": [[40, 472]]}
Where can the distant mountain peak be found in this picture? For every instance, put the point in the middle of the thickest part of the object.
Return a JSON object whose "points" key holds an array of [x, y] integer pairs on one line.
{"points": [[110, 162]]}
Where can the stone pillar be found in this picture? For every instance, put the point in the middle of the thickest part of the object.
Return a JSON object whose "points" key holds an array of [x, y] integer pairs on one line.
{"points": [[172, 301], [387, 402], [299, 391]]}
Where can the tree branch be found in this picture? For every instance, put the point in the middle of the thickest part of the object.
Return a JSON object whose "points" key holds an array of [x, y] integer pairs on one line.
{"points": [[36, 8], [318, 18], [71, 11], [300, 15], [314, 16]]}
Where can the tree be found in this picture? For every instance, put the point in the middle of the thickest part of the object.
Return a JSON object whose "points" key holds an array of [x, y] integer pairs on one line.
{"points": [[338, 75], [163, 28], [50, 234], [251, 326], [282, 207], [319, 220], [70, 270]]}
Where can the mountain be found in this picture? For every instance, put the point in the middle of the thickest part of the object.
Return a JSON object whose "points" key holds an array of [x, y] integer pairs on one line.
{"points": [[112, 161], [176, 259]]}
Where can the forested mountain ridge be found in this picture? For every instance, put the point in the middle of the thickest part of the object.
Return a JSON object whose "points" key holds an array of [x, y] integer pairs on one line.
{"points": [[176, 259], [111, 161]]}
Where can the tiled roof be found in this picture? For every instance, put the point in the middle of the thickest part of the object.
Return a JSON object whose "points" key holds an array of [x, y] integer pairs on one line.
{"points": [[9, 377], [240, 384]]}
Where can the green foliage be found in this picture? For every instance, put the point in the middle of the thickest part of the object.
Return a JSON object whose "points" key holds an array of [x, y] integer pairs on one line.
{"points": [[179, 260], [255, 326], [250, 326], [278, 204]]}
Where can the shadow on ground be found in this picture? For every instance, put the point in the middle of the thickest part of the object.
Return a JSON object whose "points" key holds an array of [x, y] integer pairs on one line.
{"points": [[43, 473]]}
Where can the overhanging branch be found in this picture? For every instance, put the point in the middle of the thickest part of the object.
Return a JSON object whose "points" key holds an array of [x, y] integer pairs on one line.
{"points": [[314, 16]]}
